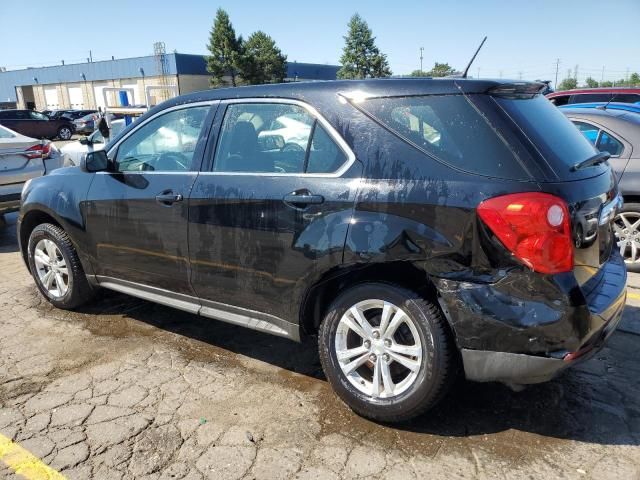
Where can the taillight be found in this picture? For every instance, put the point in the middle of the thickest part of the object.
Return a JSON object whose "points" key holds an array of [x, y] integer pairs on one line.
{"points": [[534, 227], [39, 151]]}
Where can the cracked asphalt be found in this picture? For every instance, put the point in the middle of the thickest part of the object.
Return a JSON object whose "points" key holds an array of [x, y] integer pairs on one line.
{"points": [[127, 389]]}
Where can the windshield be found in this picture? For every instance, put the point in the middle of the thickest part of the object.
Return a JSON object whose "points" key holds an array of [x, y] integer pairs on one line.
{"points": [[553, 134]]}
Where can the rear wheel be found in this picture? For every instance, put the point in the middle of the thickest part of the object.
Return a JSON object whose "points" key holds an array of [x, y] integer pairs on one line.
{"points": [[65, 133], [56, 268], [386, 352], [627, 230]]}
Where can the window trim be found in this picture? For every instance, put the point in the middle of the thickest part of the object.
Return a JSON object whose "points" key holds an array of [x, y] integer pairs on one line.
{"points": [[113, 151], [335, 136]]}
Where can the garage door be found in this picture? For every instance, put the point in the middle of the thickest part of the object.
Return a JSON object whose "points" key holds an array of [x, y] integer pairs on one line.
{"points": [[75, 97], [51, 98]]}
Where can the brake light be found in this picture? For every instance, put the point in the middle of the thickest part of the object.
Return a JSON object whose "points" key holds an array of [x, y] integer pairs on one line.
{"points": [[39, 151], [534, 227]]}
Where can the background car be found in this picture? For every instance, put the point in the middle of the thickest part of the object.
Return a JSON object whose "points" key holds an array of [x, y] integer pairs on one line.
{"points": [[617, 131], [36, 124], [583, 95], [87, 123], [22, 158], [72, 152], [69, 114]]}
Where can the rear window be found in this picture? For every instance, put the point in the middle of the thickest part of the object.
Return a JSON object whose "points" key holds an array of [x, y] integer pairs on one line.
{"points": [[466, 132], [554, 136]]}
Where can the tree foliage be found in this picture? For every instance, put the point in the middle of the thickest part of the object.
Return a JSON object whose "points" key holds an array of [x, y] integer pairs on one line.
{"points": [[441, 70], [262, 62], [226, 52], [591, 82], [361, 58], [419, 73], [568, 84]]}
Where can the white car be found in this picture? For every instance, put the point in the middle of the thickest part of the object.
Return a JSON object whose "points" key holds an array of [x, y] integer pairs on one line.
{"points": [[72, 152], [21, 159]]}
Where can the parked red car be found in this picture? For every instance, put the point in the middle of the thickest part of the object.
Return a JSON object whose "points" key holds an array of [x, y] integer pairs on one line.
{"points": [[584, 95]]}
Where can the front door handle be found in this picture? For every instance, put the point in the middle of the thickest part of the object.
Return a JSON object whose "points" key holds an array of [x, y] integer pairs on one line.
{"points": [[168, 198], [302, 199]]}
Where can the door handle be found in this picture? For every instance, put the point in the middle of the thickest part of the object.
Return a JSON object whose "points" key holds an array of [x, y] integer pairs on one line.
{"points": [[168, 198], [302, 199]]}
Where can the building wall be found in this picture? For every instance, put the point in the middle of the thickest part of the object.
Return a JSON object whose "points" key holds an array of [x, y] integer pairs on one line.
{"points": [[92, 96]]}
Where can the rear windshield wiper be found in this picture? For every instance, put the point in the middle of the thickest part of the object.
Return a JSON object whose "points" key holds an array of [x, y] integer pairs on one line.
{"points": [[597, 159]]}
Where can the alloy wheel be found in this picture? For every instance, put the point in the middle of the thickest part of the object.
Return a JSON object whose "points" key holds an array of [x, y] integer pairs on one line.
{"points": [[65, 133], [627, 230], [378, 348], [51, 268]]}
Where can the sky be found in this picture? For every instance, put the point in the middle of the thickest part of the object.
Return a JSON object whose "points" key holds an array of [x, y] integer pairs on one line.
{"points": [[525, 38]]}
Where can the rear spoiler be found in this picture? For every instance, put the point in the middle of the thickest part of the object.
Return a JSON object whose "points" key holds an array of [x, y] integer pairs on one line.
{"points": [[517, 89]]}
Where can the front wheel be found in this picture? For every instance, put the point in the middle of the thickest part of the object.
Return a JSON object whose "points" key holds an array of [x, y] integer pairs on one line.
{"points": [[386, 352], [56, 268], [65, 133]]}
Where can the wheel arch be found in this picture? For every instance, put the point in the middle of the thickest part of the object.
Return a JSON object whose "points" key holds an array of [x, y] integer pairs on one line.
{"points": [[402, 273]]}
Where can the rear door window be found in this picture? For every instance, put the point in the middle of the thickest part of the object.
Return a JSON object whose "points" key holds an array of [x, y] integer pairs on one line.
{"points": [[589, 131], [607, 143], [626, 97], [275, 138]]}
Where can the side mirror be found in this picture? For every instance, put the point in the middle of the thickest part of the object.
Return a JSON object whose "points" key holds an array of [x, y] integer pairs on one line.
{"points": [[85, 141], [96, 161]]}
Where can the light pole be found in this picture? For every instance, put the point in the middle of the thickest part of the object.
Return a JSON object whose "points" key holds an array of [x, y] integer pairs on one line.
{"points": [[421, 50], [144, 89]]}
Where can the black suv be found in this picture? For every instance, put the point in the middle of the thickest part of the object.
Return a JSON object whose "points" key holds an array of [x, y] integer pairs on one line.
{"points": [[36, 124], [421, 228]]}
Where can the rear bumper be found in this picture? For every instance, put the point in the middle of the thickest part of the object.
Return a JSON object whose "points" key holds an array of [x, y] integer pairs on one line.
{"points": [[516, 368]]}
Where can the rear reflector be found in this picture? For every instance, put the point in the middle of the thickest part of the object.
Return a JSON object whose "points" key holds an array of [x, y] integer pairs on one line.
{"points": [[534, 227]]}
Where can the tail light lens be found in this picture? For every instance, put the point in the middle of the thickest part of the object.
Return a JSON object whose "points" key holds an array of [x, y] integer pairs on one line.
{"points": [[534, 226], [39, 151]]}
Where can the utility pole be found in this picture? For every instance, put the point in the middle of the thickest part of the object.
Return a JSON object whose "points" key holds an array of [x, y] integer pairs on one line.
{"points": [[626, 79], [602, 77], [421, 50], [520, 75], [575, 75], [90, 57], [500, 73], [555, 85]]}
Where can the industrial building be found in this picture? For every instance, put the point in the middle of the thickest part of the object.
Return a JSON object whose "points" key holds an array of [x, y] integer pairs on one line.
{"points": [[81, 85]]}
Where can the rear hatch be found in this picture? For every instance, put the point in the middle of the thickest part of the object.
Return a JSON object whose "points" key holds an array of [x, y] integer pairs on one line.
{"points": [[561, 154]]}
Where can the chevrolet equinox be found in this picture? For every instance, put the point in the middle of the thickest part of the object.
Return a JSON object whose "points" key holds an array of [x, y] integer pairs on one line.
{"points": [[422, 229]]}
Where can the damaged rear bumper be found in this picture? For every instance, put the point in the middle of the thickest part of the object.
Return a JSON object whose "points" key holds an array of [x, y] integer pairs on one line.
{"points": [[521, 369]]}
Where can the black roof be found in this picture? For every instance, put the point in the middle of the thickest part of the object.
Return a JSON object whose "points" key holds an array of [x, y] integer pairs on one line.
{"points": [[381, 87]]}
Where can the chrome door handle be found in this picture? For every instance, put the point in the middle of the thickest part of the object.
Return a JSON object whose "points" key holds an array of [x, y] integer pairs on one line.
{"points": [[168, 198]]}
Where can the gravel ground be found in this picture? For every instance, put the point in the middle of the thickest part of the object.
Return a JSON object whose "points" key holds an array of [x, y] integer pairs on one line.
{"points": [[127, 389]]}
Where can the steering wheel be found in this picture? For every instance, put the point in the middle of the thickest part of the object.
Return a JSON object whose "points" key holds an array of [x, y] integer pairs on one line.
{"points": [[172, 161]]}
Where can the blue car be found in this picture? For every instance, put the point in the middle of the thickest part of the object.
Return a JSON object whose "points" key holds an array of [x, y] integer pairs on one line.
{"points": [[627, 107]]}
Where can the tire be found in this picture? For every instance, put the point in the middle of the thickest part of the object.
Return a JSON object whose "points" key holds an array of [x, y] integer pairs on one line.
{"points": [[77, 291], [423, 387], [65, 133], [631, 212]]}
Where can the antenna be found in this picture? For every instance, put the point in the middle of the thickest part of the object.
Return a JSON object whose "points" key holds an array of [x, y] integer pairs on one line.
{"points": [[466, 70]]}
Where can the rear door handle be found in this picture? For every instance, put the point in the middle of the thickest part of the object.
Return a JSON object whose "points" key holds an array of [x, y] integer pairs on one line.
{"points": [[301, 200], [168, 198]]}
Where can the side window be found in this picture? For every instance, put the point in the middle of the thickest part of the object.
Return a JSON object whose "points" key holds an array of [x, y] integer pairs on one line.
{"points": [[626, 97], [274, 138], [37, 116], [607, 143], [590, 97], [324, 156], [589, 131], [165, 144]]}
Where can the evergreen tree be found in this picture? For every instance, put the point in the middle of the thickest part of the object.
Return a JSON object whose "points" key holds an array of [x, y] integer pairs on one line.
{"points": [[263, 62], [361, 58], [226, 51]]}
